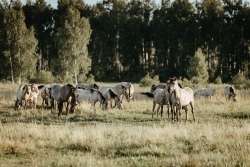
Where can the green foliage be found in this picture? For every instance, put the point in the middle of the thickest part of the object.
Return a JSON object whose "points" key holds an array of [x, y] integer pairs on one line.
{"points": [[240, 81], [148, 81], [218, 80], [86, 79], [45, 77], [72, 40], [198, 71]]}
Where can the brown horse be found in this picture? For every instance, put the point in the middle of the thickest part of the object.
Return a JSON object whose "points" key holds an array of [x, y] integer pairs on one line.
{"points": [[66, 93]]}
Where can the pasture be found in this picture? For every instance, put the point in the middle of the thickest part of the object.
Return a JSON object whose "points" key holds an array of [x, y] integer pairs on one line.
{"points": [[129, 137]]}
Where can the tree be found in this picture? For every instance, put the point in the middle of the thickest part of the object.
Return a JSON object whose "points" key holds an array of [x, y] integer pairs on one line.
{"points": [[20, 44], [71, 41], [197, 70]]}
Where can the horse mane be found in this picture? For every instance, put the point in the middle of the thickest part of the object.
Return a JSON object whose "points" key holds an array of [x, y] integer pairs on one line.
{"points": [[112, 93], [96, 86], [103, 98], [69, 85]]}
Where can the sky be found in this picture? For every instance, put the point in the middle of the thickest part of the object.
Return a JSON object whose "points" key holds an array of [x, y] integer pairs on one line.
{"points": [[53, 3]]}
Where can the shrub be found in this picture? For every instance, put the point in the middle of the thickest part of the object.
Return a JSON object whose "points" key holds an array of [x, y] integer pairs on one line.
{"points": [[239, 79], [218, 80], [43, 77], [148, 81]]}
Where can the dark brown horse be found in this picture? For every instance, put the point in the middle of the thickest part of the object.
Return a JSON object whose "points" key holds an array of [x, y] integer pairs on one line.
{"points": [[66, 93]]}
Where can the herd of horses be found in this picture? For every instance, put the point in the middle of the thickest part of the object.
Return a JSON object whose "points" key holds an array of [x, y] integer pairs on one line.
{"points": [[56, 96]]}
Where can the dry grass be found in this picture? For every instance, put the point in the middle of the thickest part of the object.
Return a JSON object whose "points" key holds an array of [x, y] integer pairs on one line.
{"points": [[219, 137]]}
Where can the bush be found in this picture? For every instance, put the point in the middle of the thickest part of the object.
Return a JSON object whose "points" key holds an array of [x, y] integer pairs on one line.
{"points": [[43, 77], [218, 80], [239, 79], [148, 81]]}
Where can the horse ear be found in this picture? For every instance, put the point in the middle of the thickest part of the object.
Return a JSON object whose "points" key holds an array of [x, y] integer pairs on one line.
{"points": [[92, 90]]}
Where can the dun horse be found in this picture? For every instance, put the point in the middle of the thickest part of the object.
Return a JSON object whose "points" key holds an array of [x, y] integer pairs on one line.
{"points": [[92, 96], [180, 98]]}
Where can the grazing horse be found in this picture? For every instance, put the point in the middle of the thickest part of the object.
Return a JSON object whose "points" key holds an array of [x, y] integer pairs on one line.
{"points": [[180, 98], [130, 90], [230, 92], [206, 92], [33, 95], [23, 93], [87, 86], [118, 90], [92, 96], [161, 97], [66, 93], [110, 95], [45, 94]]}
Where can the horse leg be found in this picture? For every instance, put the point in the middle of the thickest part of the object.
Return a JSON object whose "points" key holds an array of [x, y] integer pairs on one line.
{"points": [[60, 107], [158, 109], [161, 110], [67, 108], [153, 109], [168, 110], [192, 110]]}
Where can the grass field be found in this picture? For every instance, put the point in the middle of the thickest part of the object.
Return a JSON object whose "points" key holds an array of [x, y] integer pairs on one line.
{"points": [[129, 137]]}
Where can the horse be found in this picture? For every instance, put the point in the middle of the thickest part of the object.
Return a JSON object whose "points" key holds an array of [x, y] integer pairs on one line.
{"points": [[92, 96], [118, 90], [33, 95], [230, 92], [154, 87], [130, 90], [23, 93], [45, 94], [205, 92], [110, 95], [87, 86], [160, 97], [180, 98], [64, 93]]}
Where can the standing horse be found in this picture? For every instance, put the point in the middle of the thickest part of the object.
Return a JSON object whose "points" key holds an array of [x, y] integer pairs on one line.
{"points": [[130, 90], [45, 94], [87, 86], [92, 96], [180, 98], [66, 93], [110, 95], [161, 97]]}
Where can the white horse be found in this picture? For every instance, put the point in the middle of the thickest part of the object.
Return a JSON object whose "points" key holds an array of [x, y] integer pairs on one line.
{"points": [[180, 98], [92, 96]]}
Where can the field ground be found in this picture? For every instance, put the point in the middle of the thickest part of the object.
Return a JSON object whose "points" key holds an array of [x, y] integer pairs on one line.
{"points": [[129, 137]]}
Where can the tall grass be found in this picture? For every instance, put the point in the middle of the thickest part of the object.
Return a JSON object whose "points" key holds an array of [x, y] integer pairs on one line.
{"points": [[128, 137]]}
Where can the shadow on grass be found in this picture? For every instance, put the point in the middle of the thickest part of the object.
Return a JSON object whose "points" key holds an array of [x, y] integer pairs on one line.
{"points": [[238, 115]]}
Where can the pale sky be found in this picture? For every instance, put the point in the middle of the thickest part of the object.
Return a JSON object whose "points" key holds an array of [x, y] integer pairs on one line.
{"points": [[89, 2]]}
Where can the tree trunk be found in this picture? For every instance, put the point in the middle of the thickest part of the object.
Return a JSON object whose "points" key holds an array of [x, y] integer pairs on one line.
{"points": [[76, 82], [11, 70]]}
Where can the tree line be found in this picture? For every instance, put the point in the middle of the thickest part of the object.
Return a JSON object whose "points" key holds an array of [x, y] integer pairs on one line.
{"points": [[118, 40]]}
